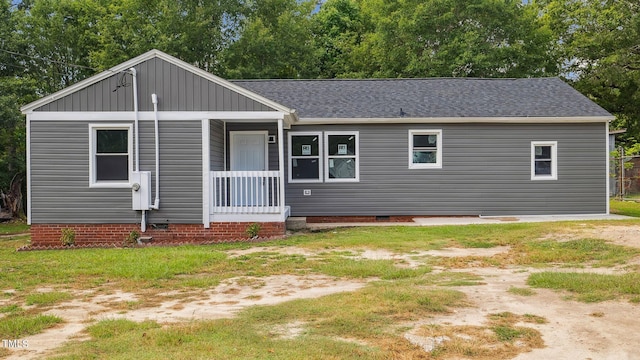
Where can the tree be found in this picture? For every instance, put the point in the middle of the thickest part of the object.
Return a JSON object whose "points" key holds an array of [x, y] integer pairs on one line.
{"points": [[485, 38], [600, 43], [274, 42], [338, 30]]}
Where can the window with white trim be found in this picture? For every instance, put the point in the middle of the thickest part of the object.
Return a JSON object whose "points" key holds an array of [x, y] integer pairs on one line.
{"points": [[305, 151], [544, 160], [111, 155], [425, 149], [342, 156]]}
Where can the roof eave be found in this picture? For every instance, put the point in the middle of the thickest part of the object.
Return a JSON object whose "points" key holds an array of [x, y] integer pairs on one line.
{"points": [[431, 120]]}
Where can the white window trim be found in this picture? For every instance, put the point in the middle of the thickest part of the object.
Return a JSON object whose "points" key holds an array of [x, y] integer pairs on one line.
{"points": [[291, 157], [92, 153], [326, 156], [554, 160], [438, 163]]}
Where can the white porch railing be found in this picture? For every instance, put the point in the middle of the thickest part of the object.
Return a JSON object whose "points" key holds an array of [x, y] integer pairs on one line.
{"points": [[246, 192]]}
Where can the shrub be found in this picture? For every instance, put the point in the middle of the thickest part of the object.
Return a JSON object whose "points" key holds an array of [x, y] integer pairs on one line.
{"points": [[68, 237]]}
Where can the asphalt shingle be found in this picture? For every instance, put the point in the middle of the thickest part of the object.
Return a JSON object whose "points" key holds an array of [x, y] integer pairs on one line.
{"points": [[425, 98]]}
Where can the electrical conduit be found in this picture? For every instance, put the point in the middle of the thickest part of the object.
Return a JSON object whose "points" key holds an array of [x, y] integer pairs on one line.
{"points": [[156, 202]]}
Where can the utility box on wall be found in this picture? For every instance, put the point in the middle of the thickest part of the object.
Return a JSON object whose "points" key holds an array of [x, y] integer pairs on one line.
{"points": [[141, 190]]}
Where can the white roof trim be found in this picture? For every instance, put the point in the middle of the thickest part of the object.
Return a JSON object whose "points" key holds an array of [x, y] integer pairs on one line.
{"points": [[150, 115], [433, 120], [144, 57]]}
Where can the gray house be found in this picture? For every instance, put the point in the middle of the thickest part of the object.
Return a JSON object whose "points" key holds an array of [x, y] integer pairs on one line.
{"points": [[159, 146]]}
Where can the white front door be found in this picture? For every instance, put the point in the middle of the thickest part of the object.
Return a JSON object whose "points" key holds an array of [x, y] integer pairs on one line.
{"points": [[249, 152]]}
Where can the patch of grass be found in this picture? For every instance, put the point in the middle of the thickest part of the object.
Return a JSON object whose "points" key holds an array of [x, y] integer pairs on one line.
{"points": [[361, 269], [366, 315], [47, 298], [627, 208], [20, 325], [10, 309], [521, 291], [576, 252], [13, 228], [447, 278], [589, 287], [111, 328]]}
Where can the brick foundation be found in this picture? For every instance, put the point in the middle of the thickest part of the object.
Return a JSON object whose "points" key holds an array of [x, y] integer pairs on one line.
{"points": [[50, 234], [355, 219]]}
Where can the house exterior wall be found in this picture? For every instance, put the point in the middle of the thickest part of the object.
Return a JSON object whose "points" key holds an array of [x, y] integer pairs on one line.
{"points": [[177, 90], [486, 170], [216, 147], [60, 192]]}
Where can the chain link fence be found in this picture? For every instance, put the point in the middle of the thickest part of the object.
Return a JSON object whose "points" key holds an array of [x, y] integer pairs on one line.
{"points": [[625, 176]]}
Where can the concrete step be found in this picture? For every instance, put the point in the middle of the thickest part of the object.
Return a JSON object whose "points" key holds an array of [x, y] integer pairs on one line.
{"points": [[296, 223]]}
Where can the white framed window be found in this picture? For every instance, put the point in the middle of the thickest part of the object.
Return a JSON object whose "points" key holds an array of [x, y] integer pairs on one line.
{"points": [[342, 151], [544, 160], [425, 149], [305, 156], [110, 155]]}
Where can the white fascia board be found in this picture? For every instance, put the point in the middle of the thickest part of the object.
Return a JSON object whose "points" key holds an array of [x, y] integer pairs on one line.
{"points": [[149, 115], [159, 54], [454, 120]]}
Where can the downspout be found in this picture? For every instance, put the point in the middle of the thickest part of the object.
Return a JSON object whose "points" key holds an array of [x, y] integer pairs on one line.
{"points": [[156, 202], [134, 74]]}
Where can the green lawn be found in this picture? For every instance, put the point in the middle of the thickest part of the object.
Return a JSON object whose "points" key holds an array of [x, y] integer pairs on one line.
{"points": [[628, 208], [13, 228], [371, 319]]}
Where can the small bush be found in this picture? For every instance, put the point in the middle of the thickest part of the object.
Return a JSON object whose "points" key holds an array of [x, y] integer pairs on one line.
{"points": [[132, 238], [68, 237], [253, 230]]}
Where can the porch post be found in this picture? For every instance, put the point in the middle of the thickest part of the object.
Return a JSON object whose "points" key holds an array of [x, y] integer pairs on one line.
{"points": [[206, 174], [281, 164]]}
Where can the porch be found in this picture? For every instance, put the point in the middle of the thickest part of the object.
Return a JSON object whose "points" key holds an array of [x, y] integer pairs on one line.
{"points": [[245, 176]]}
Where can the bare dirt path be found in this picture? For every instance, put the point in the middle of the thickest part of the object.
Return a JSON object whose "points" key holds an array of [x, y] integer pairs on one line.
{"points": [[576, 331]]}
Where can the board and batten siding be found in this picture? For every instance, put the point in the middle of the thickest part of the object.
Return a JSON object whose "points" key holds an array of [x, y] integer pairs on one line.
{"points": [[60, 190], [486, 170], [177, 90]]}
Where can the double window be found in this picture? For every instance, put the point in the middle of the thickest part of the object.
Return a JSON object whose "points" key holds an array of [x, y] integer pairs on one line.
{"points": [[544, 160], [110, 161], [332, 158], [425, 149]]}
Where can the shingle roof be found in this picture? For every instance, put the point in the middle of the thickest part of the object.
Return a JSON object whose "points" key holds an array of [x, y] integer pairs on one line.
{"points": [[425, 98]]}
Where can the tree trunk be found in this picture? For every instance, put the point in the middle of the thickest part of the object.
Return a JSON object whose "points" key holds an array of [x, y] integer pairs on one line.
{"points": [[12, 201]]}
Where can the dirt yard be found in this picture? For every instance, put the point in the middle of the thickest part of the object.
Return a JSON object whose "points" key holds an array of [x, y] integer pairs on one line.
{"points": [[574, 330]]}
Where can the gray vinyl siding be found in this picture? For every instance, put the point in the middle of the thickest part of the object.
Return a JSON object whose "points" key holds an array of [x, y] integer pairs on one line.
{"points": [[272, 128], [216, 139], [177, 90], [486, 171], [60, 175]]}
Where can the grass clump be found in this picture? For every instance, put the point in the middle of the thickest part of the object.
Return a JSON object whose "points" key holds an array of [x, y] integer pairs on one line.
{"points": [[521, 291], [361, 269], [18, 325], [576, 252], [47, 298], [589, 287]]}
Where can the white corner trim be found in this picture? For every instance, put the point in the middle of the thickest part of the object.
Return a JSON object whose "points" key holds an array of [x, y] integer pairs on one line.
{"points": [[206, 174], [608, 168], [438, 163], [554, 160], [28, 129]]}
